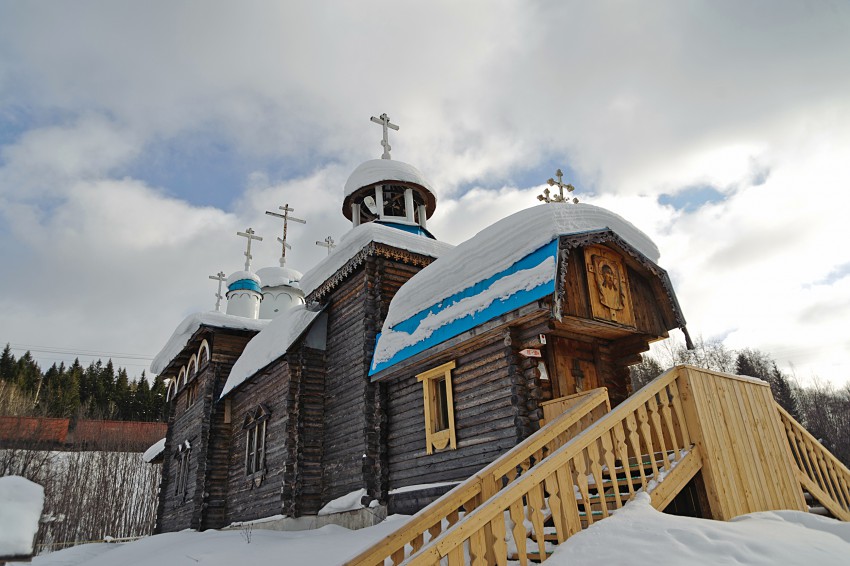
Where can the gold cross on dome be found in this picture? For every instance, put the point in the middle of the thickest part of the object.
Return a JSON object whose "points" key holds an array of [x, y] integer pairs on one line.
{"points": [[561, 186]]}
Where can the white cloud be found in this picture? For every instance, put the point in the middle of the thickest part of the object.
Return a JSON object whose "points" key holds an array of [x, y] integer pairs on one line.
{"points": [[638, 100]]}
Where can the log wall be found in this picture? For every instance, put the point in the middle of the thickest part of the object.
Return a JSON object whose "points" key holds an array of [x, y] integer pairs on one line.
{"points": [[261, 494], [176, 511], [489, 409]]}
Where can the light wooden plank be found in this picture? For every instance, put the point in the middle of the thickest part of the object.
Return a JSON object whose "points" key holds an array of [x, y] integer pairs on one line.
{"points": [[678, 477]]}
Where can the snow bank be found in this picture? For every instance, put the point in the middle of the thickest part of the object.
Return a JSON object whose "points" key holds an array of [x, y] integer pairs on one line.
{"points": [[377, 170], [20, 510], [358, 238], [191, 324], [502, 244], [271, 343], [638, 534], [348, 502], [155, 450]]}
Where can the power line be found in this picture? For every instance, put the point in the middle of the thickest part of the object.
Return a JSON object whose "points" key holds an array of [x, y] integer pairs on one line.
{"points": [[79, 352]]}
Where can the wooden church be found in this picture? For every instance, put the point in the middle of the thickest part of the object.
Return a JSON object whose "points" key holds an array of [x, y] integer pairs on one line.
{"points": [[400, 368]]}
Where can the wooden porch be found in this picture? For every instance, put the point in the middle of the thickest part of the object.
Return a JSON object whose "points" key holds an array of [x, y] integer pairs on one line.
{"points": [[721, 437]]}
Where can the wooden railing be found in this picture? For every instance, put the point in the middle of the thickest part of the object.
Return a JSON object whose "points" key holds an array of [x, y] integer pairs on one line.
{"points": [[431, 522], [572, 481], [581, 482], [818, 471]]}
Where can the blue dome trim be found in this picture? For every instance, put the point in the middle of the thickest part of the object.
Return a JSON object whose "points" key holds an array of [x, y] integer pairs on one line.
{"points": [[244, 284], [418, 230]]}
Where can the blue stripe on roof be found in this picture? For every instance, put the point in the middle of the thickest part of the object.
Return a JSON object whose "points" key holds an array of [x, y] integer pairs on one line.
{"points": [[495, 309]]}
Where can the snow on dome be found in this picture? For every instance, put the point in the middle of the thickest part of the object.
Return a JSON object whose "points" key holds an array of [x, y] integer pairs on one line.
{"points": [[242, 275], [502, 244], [21, 502], [358, 238], [269, 344], [377, 170], [277, 276], [191, 324], [155, 450]]}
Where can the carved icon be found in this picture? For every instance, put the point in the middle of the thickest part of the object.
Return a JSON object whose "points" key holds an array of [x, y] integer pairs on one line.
{"points": [[608, 286]]}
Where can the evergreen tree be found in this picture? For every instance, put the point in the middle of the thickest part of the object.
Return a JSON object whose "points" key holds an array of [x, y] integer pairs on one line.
{"points": [[783, 393], [143, 401], [28, 374], [158, 409], [121, 396], [7, 365]]}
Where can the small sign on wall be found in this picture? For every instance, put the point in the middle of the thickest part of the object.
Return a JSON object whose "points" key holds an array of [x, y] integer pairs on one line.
{"points": [[530, 353]]}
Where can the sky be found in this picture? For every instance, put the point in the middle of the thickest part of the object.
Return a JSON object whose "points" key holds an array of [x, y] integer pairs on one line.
{"points": [[137, 138]]}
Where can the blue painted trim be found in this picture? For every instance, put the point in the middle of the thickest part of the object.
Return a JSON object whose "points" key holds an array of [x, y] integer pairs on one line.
{"points": [[249, 284], [461, 325], [417, 230]]}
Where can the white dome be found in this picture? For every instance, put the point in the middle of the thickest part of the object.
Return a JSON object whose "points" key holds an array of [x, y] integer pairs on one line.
{"points": [[377, 170]]}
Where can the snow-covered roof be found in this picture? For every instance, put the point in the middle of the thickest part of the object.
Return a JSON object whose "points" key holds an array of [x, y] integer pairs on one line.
{"points": [[506, 265], [155, 450], [502, 244], [377, 170], [191, 324], [271, 343], [277, 276], [21, 502], [240, 275], [358, 238]]}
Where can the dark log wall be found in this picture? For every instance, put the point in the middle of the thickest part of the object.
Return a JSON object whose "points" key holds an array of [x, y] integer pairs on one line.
{"points": [[176, 511], [346, 386], [260, 495], [307, 496], [489, 407], [354, 429]]}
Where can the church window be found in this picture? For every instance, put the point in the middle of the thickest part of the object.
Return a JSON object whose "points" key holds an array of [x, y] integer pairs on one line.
{"points": [[439, 408], [193, 366], [255, 440], [203, 353], [191, 394], [182, 461]]}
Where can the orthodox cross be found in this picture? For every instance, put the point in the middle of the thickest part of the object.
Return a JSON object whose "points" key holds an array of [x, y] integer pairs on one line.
{"points": [[561, 186], [249, 233], [286, 218], [327, 243], [220, 277], [384, 120]]}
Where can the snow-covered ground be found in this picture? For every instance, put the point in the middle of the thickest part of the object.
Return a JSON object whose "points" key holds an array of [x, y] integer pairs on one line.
{"points": [[21, 502], [637, 534]]}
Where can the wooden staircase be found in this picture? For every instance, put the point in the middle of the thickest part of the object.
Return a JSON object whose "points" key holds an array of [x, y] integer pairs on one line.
{"points": [[589, 461]]}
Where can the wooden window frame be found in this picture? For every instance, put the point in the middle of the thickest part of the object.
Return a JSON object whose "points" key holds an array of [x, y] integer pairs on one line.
{"points": [[256, 441], [437, 437], [184, 451]]}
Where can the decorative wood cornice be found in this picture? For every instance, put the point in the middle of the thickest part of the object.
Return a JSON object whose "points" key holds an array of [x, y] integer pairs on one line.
{"points": [[374, 249]]}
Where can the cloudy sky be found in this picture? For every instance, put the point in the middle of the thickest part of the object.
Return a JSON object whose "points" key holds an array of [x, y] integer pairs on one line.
{"points": [[136, 138]]}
